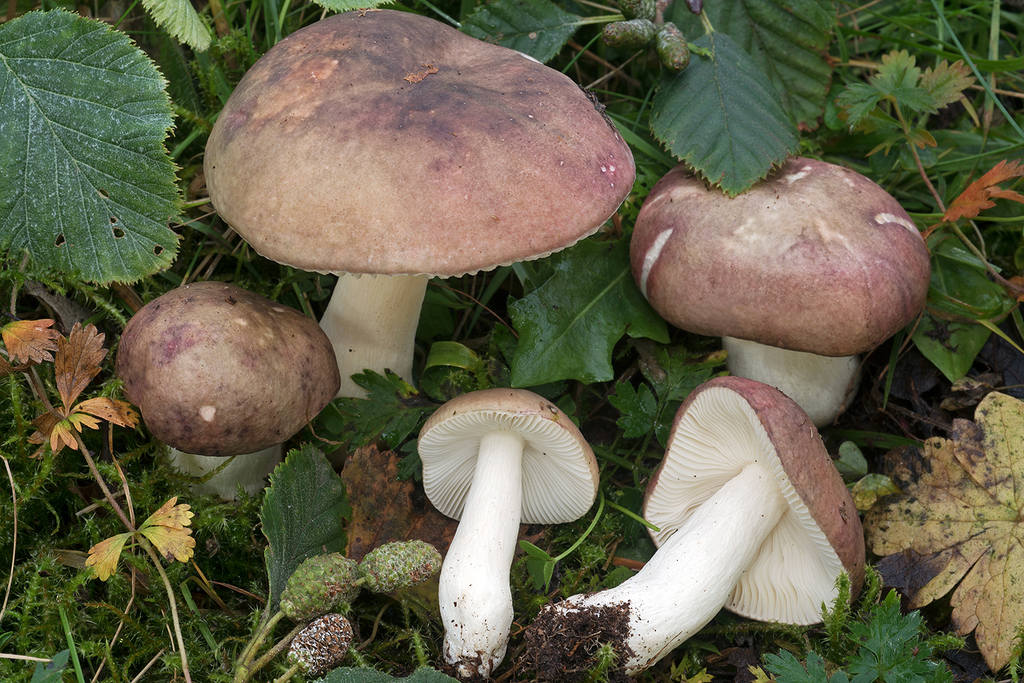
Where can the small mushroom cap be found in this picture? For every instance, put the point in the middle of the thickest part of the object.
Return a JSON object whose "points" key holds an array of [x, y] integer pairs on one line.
{"points": [[560, 474], [724, 425], [386, 142], [815, 258], [218, 370]]}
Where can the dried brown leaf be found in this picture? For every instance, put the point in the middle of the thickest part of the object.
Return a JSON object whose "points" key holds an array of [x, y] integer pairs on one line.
{"points": [[30, 341], [979, 194], [960, 522], [109, 409], [78, 361]]}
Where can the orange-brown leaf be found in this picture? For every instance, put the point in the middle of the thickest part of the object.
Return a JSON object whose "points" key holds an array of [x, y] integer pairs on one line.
{"points": [[30, 341], [78, 361], [104, 555], [979, 194], [109, 409]]}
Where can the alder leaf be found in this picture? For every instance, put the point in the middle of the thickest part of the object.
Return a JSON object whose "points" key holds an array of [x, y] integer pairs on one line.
{"points": [[30, 341], [78, 361], [538, 28], [959, 522], [104, 555], [979, 194]]}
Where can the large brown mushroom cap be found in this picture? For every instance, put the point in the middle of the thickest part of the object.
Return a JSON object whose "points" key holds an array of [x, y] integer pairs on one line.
{"points": [[713, 437], [218, 370], [816, 258], [386, 142]]}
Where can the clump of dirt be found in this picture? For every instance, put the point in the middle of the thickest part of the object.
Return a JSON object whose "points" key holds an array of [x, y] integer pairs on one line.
{"points": [[560, 645]]}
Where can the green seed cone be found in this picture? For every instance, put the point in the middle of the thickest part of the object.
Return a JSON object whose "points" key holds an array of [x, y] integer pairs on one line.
{"points": [[671, 47], [322, 645], [638, 9], [630, 35], [399, 565], [321, 584]]}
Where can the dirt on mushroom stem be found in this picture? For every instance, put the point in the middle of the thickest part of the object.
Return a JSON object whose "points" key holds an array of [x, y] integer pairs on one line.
{"points": [[560, 646]]}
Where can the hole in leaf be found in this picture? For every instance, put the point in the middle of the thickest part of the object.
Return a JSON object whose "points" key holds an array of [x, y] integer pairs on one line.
{"points": [[59, 242], [118, 232], [113, 220], [104, 193], [157, 250]]}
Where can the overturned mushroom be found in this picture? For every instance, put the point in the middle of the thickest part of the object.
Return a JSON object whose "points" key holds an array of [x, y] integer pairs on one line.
{"points": [[494, 459], [218, 371], [390, 145], [799, 274], [752, 516]]}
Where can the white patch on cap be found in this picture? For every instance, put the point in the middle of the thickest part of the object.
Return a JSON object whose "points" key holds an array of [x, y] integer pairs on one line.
{"points": [[792, 178], [652, 256], [240, 321], [207, 413], [884, 218]]}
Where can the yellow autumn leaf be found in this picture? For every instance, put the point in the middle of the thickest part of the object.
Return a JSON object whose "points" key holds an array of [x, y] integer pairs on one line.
{"points": [[109, 409], [104, 555], [167, 529], [959, 522]]}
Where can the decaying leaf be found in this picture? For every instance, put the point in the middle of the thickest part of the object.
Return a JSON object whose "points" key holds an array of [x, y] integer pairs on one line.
{"points": [[979, 194], [104, 555], [77, 362], [30, 341], [167, 529], [385, 509], [959, 521]]}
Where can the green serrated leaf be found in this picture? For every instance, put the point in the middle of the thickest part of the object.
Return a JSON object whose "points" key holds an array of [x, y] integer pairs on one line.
{"points": [[349, 5], [302, 515], [787, 668], [947, 82], [538, 28], [392, 410], [180, 19], [569, 325], [88, 186], [637, 409], [352, 675], [789, 39], [722, 117]]}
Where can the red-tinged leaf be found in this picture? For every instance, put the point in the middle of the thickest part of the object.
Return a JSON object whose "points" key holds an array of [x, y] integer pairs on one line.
{"points": [[78, 361], [104, 555], [947, 82], [30, 341], [979, 194], [109, 409]]}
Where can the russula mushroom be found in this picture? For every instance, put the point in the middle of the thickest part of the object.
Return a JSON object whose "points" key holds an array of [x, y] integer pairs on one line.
{"points": [[387, 143], [799, 274], [752, 516], [218, 371], [494, 459]]}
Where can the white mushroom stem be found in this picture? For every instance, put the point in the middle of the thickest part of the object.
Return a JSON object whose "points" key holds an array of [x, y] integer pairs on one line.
{"points": [[821, 385], [692, 575], [371, 321], [250, 470], [474, 592]]}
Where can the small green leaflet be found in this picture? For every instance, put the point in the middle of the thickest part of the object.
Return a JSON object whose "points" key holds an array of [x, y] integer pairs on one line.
{"points": [[303, 515], [88, 186], [722, 117], [349, 5], [570, 324], [534, 27], [788, 39], [180, 19]]}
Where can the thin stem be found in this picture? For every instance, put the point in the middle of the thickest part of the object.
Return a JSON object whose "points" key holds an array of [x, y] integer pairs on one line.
{"points": [[278, 648], [243, 664], [170, 599]]}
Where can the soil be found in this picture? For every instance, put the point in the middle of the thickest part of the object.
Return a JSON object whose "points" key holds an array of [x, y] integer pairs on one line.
{"points": [[561, 647]]}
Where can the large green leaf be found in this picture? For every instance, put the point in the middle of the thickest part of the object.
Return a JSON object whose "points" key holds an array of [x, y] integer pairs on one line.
{"points": [[302, 515], [352, 675], [721, 116], [789, 39], [950, 346], [534, 27], [570, 324], [87, 185], [180, 19]]}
